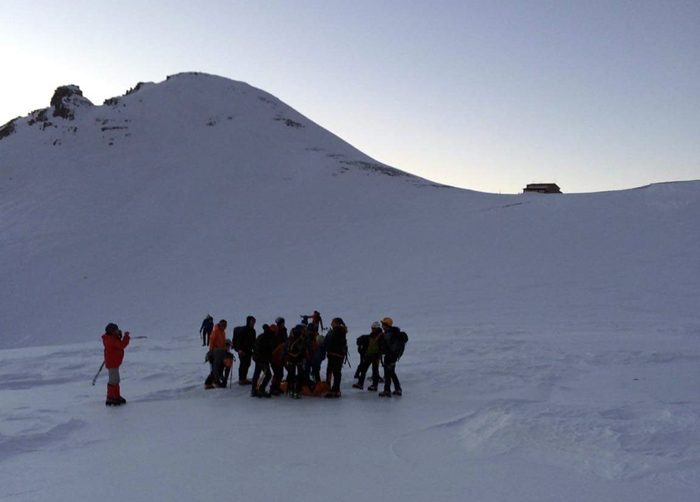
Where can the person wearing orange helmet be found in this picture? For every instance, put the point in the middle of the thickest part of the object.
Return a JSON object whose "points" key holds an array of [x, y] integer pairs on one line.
{"points": [[392, 348]]}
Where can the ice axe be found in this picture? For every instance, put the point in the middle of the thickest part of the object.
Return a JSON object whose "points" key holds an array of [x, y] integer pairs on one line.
{"points": [[98, 373]]}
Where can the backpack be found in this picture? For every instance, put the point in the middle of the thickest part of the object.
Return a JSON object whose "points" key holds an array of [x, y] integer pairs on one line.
{"points": [[362, 344], [398, 344]]}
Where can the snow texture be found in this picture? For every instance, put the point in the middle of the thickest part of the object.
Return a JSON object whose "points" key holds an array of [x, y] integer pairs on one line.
{"points": [[553, 349]]}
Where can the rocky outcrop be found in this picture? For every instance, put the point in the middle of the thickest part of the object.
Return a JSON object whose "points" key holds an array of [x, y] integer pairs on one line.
{"points": [[7, 129], [66, 99]]}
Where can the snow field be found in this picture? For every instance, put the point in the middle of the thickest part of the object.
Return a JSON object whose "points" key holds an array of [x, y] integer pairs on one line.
{"points": [[480, 409], [553, 350]]}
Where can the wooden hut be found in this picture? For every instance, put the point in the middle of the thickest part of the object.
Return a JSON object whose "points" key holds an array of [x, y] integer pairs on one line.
{"points": [[542, 188]]}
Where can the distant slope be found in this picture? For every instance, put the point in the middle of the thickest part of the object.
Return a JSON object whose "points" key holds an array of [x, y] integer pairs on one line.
{"points": [[200, 194]]}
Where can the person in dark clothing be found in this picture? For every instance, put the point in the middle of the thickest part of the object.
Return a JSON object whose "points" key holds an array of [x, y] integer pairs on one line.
{"points": [[362, 342], [370, 357], [221, 361], [392, 347], [206, 329], [262, 355], [317, 353], [317, 322], [277, 360], [313, 320], [336, 345], [297, 352], [244, 343]]}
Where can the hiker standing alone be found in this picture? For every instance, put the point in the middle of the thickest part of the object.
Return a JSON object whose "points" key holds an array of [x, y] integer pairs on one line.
{"points": [[114, 344], [205, 330]]}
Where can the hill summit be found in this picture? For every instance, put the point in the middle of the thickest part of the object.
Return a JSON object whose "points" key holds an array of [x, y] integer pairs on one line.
{"points": [[186, 106], [202, 194]]}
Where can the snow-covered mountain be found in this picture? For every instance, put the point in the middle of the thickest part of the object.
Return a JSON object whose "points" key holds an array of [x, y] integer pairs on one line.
{"points": [[200, 194], [553, 338]]}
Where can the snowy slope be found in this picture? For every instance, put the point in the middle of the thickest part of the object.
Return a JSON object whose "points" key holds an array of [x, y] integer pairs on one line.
{"points": [[194, 195], [554, 339]]}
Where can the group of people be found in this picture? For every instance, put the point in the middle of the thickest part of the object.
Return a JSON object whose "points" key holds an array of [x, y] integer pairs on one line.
{"points": [[301, 352]]}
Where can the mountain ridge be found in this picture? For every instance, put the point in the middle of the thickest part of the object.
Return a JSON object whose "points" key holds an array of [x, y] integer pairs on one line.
{"points": [[147, 107], [141, 209]]}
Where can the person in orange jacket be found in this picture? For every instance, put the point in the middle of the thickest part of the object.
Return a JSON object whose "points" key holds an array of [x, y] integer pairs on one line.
{"points": [[114, 344], [217, 339]]}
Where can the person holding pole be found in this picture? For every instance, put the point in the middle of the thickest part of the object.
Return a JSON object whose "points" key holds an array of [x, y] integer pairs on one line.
{"points": [[114, 344]]}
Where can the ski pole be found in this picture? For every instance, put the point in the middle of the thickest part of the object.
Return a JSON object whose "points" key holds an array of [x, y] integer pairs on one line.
{"points": [[98, 373]]}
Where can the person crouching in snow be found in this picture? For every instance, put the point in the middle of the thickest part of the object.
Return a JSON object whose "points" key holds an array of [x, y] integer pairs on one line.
{"points": [[114, 344], [221, 361]]}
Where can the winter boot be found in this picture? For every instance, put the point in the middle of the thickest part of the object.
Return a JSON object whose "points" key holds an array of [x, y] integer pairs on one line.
{"points": [[397, 392], [119, 395], [385, 393], [357, 386], [372, 388], [112, 396]]}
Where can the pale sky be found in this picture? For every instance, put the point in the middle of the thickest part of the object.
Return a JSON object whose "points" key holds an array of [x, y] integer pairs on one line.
{"points": [[488, 95]]}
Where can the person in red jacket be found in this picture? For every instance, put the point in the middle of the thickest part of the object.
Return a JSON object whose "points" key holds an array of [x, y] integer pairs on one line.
{"points": [[114, 355]]}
